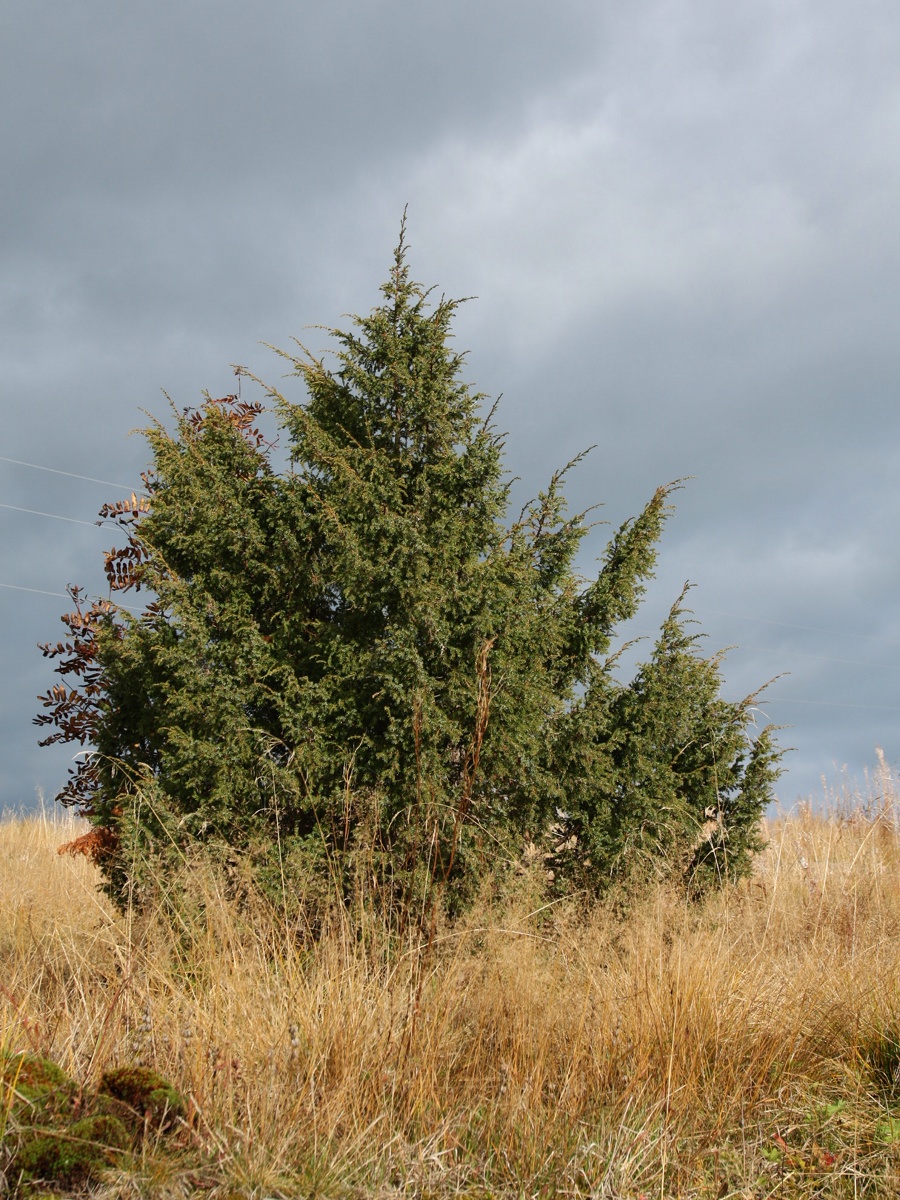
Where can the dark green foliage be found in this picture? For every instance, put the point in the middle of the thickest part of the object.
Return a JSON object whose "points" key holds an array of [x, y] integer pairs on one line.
{"points": [[356, 673], [662, 774]]}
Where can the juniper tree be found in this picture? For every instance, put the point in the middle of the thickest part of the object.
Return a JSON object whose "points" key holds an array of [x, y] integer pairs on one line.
{"points": [[358, 666]]}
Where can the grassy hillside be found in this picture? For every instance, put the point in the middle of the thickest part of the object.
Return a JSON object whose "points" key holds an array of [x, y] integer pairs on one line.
{"points": [[749, 1047]]}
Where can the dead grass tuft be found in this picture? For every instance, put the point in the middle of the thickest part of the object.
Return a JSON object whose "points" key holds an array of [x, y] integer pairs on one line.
{"points": [[746, 1047]]}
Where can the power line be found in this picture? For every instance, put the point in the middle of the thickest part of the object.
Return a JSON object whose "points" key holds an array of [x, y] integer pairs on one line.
{"points": [[71, 475], [768, 700], [758, 649], [37, 591], [828, 704], [843, 662], [647, 634], [36, 513], [717, 612], [788, 624], [14, 587]]}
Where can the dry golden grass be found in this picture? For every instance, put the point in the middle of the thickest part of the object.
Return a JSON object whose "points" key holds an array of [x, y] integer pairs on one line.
{"points": [[746, 1047]]}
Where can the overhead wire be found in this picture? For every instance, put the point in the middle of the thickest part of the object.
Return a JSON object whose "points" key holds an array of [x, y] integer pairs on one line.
{"points": [[829, 703], [717, 612], [15, 587], [55, 516], [843, 662], [56, 471], [70, 475], [787, 624], [643, 634]]}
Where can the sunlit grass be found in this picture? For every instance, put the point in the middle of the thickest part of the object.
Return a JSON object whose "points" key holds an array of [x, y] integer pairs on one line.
{"points": [[746, 1047]]}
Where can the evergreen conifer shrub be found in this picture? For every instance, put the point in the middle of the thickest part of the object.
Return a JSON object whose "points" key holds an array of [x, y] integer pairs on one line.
{"points": [[358, 672]]}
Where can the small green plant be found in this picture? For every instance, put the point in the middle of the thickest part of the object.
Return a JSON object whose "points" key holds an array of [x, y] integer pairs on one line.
{"points": [[357, 672], [888, 1130]]}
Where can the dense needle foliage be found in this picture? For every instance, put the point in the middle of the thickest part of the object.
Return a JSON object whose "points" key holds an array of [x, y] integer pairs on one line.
{"points": [[357, 670]]}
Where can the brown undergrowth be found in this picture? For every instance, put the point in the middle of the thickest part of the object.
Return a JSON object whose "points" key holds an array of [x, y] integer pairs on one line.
{"points": [[746, 1047]]}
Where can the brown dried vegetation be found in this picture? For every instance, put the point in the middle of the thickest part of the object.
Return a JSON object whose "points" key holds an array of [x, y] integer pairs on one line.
{"points": [[745, 1047]]}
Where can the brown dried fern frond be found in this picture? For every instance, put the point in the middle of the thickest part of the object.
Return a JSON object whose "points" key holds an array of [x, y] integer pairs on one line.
{"points": [[96, 845]]}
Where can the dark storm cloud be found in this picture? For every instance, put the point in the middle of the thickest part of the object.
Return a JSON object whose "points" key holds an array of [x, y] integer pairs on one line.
{"points": [[679, 217], [187, 101]]}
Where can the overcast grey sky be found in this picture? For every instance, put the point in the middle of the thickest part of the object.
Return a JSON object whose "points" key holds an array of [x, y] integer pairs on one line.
{"points": [[681, 221]]}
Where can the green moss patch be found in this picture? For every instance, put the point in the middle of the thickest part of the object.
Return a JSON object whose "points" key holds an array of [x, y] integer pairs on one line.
{"points": [[142, 1096], [56, 1136], [72, 1155], [40, 1089]]}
